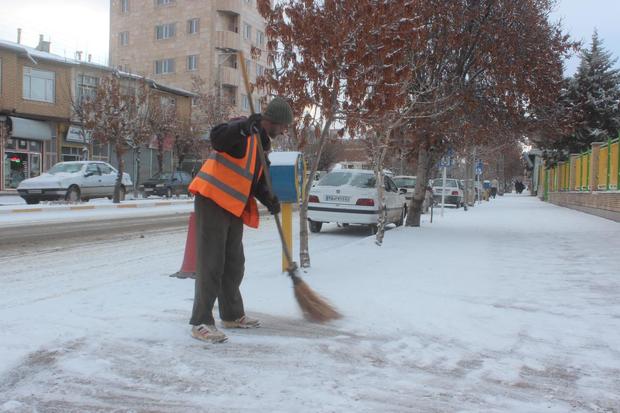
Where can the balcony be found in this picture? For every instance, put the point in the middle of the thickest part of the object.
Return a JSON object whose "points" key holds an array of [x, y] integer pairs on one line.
{"points": [[229, 76], [228, 6], [227, 40]]}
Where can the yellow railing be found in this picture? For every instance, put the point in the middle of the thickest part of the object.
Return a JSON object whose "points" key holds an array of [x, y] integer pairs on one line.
{"points": [[594, 170]]}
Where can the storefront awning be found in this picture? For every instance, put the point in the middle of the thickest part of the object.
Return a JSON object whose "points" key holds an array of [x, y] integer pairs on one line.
{"points": [[30, 129]]}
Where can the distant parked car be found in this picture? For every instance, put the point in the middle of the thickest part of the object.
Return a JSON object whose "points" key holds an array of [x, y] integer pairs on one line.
{"points": [[73, 181], [167, 184], [453, 191], [406, 182], [349, 196]]}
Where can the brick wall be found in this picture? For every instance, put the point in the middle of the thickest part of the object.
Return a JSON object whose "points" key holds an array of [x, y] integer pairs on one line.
{"points": [[603, 204]]}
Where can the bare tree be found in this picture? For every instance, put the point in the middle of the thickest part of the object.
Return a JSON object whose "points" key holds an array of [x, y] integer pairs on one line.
{"points": [[163, 121], [187, 141], [109, 117], [209, 109], [142, 131]]}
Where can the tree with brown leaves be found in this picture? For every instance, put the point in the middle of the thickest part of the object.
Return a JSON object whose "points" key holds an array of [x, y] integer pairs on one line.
{"points": [[109, 116], [497, 58], [310, 45], [163, 121]]}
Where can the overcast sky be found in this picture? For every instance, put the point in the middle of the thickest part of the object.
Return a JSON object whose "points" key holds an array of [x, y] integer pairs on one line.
{"points": [[84, 24]]}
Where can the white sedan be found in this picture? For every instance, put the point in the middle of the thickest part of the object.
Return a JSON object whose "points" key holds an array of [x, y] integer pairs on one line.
{"points": [[349, 196], [73, 181]]}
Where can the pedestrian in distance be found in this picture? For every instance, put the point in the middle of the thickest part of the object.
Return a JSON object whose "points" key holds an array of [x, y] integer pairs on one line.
{"points": [[494, 185], [225, 190]]}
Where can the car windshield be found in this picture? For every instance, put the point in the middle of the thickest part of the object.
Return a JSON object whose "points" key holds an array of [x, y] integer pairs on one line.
{"points": [[450, 183], [165, 175], [336, 179], [65, 168], [363, 181], [405, 182]]}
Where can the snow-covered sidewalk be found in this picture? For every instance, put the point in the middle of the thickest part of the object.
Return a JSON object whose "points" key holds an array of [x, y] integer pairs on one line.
{"points": [[513, 305]]}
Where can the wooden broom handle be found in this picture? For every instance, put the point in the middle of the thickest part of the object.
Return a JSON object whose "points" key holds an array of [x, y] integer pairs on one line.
{"points": [[261, 154]]}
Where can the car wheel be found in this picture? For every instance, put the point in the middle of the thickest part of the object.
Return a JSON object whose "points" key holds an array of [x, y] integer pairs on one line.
{"points": [[73, 194], [121, 193], [32, 201], [315, 226], [373, 229], [401, 220], [169, 193]]}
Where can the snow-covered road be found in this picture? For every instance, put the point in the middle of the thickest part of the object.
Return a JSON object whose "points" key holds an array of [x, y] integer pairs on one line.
{"points": [[513, 305]]}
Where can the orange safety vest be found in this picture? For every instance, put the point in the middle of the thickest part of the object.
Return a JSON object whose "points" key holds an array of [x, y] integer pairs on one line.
{"points": [[228, 180]]}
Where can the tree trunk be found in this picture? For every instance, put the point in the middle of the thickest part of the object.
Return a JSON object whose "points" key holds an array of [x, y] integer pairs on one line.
{"points": [[381, 189], [136, 183], [116, 199], [424, 166], [160, 154], [304, 251], [469, 183]]}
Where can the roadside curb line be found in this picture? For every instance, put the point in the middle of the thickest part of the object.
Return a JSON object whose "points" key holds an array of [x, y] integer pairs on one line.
{"points": [[89, 207]]}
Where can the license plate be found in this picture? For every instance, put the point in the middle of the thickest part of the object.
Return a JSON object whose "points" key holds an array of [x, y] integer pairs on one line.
{"points": [[337, 198], [148, 189], [35, 191]]}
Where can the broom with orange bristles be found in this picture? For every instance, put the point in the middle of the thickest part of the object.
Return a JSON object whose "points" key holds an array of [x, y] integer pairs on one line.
{"points": [[313, 306]]}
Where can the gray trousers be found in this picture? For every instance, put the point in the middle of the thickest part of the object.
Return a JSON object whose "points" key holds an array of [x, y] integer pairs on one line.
{"points": [[220, 263]]}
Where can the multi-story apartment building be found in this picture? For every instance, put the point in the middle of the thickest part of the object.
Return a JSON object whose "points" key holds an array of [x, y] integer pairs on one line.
{"points": [[173, 41], [38, 91]]}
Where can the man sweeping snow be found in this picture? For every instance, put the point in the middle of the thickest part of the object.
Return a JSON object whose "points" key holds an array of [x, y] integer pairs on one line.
{"points": [[225, 188]]}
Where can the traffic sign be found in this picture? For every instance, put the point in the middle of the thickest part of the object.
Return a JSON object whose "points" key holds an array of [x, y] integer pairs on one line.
{"points": [[479, 167]]}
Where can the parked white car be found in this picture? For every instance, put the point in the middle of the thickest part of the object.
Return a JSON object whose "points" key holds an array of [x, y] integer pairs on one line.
{"points": [[408, 183], [349, 196], [73, 181], [453, 191]]}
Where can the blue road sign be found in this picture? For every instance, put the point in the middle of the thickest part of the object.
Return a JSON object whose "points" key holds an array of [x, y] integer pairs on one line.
{"points": [[479, 167], [445, 162]]}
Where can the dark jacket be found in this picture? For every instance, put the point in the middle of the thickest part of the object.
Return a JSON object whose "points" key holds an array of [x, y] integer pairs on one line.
{"points": [[231, 138]]}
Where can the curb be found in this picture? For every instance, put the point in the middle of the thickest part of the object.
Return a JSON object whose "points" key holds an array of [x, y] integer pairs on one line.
{"points": [[127, 204]]}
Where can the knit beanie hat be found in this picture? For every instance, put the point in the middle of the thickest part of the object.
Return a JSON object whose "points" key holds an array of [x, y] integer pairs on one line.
{"points": [[279, 111]]}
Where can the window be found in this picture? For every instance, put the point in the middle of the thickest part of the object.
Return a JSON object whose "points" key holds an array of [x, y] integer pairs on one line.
{"points": [[167, 102], [247, 31], [192, 62], [257, 105], [260, 38], [92, 168], [124, 6], [165, 31], [86, 87], [105, 169], [39, 85], [164, 66], [248, 65], [123, 38], [193, 26], [163, 2], [245, 102]]}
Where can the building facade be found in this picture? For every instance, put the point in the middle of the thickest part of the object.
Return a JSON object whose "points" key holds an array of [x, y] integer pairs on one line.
{"points": [[38, 126], [173, 41]]}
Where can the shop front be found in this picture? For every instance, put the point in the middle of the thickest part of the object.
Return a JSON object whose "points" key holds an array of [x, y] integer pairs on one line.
{"points": [[23, 151]]}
